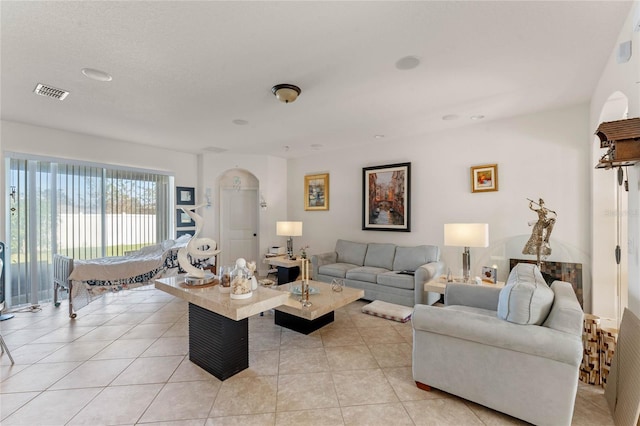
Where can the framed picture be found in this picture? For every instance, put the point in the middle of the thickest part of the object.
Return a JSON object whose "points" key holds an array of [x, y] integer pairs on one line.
{"points": [[185, 195], [484, 178], [489, 274], [386, 198], [183, 220], [316, 192], [181, 232]]}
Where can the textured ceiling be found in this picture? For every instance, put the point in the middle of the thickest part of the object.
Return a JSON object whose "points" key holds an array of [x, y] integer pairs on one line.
{"points": [[183, 71]]}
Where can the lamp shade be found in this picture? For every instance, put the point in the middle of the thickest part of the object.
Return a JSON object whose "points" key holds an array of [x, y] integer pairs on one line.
{"points": [[466, 234], [289, 229]]}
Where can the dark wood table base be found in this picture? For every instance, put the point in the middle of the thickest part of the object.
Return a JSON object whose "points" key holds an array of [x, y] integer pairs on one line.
{"points": [[287, 275], [302, 325], [218, 344]]}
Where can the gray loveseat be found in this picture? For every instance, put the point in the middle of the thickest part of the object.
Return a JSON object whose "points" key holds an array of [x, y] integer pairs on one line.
{"points": [[516, 350], [376, 268]]}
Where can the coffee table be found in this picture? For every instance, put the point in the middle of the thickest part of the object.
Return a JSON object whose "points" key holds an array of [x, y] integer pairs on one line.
{"points": [[294, 316], [219, 325]]}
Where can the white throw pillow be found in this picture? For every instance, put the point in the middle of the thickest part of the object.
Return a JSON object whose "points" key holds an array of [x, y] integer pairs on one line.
{"points": [[526, 298]]}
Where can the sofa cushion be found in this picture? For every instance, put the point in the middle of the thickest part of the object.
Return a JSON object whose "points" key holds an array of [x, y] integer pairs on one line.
{"points": [[380, 255], [388, 310], [338, 270], [526, 298], [365, 273], [411, 258], [394, 279], [351, 252]]}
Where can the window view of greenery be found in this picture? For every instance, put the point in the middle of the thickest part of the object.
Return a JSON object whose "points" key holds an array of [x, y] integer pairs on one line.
{"points": [[83, 212]]}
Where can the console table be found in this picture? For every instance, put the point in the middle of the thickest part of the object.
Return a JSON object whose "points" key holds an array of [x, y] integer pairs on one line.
{"points": [[219, 325]]}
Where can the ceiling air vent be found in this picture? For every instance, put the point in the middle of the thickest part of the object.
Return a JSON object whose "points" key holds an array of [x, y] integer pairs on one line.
{"points": [[51, 92]]}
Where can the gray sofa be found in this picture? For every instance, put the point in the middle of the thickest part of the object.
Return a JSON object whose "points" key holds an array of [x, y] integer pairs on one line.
{"points": [[513, 350], [376, 268]]}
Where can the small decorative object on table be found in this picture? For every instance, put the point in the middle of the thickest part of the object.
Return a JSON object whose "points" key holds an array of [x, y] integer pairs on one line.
{"points": [[303, 252], [538, 243], [197, 276], [225, 279], [252, 274], [305, 284], [489, 274], [337, 284], [266, 282], [241, 286]]}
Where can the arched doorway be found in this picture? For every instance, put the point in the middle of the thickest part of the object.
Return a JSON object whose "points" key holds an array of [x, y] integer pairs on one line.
{"points": [[239, 224], [609, 289]]}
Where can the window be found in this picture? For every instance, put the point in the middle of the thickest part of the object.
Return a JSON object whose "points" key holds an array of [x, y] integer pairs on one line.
{"points": [[83, 211]]}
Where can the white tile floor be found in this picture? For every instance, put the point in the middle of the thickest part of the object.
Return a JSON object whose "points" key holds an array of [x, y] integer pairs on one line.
{"points": [[124, 361]]}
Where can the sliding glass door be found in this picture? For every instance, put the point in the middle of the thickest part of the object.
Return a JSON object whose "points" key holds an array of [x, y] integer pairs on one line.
{"points": [[83, 211]]}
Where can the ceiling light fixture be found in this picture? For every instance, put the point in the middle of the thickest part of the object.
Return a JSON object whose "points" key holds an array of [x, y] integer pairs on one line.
{"points": [[286, 93], [240, 122], [477, 117], [450, 117], [97, 75]]}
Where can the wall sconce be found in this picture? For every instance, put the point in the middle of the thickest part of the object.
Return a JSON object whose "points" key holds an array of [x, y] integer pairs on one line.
{"points": [[207, 196], [263, 203]]}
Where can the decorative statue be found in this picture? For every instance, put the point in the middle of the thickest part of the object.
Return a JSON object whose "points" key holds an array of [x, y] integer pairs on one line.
{"points": [[192, 248], [538, 244]]}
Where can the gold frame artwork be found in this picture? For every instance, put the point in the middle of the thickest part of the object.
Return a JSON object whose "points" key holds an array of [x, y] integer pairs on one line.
{"points": [[484, 178], [316, 192]]}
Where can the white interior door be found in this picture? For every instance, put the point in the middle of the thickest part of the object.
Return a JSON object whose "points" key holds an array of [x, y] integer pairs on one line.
{"points": [[239, 229]]}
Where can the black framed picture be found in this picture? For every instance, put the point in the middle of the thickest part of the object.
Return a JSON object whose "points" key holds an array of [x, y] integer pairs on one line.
{"points": [[183, 220], [386, 198], [190, 232], [185, 195]]}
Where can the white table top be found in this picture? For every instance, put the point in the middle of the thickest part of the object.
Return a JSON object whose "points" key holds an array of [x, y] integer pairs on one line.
{"points": [[322, 303], [210, 298], [283, 261], [438, 285]]}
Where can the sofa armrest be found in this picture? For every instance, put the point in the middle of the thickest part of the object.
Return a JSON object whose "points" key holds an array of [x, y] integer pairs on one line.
{"points": [[424, 274], [427, 272], [472, 295], [492, 331], [318, 260]]}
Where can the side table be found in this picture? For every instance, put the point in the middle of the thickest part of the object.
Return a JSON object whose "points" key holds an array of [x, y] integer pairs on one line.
{"points": [[439, 285], [288, 269]]}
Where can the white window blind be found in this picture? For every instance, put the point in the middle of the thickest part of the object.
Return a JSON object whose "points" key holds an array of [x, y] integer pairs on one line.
{"points": [[83, 211]]}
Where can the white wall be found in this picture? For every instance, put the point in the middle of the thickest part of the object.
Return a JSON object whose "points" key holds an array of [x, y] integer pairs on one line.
{"points": [[34, 140], [619, 78], [542, 155], [271, 173]]}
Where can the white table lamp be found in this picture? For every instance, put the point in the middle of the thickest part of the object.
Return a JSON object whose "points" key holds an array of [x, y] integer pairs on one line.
{"points": [[466, 235], [289, 229]]}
